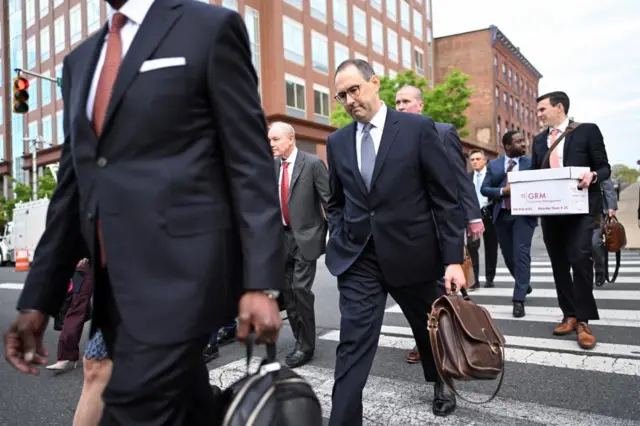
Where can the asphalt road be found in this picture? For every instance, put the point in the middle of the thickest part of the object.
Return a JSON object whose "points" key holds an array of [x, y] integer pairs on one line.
{"points": [[549, 380]]}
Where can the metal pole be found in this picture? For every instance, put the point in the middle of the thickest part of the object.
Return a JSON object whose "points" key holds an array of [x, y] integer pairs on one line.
{"points": [[44, 77], [34, 169]]}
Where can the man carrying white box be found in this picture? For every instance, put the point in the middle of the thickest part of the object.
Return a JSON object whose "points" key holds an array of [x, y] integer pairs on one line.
{"points": [[565, 147]]}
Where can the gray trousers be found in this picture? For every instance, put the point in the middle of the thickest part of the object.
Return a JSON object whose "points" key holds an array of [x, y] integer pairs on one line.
{"points": [[598, 250]]}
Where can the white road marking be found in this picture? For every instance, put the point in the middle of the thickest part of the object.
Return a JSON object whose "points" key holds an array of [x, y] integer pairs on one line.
{"points": [[406, 403], [624, 269], [11, 286], [551, 293], [549, 279], [623, 263]]}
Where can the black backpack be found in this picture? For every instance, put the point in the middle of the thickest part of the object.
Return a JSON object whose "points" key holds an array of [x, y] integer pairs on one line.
{"points": [[272, 396]]}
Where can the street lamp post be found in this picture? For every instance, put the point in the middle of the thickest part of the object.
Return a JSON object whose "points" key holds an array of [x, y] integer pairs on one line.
{"points": [[33, 146]]}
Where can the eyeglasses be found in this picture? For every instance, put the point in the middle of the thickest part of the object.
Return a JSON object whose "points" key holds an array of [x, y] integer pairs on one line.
{"points": [[352, 91]]}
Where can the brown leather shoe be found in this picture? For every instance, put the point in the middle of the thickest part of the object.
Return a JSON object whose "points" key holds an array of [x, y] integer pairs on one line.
{"points": [[568, 325], [586, 339], [414, 356]]}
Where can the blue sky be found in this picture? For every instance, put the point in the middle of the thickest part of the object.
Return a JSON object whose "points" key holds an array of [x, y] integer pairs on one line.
{"points": [[587, 48]]}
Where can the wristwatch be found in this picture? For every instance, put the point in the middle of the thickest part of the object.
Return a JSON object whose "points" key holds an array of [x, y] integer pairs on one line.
{"points": [[272, 294], [595, 177]]}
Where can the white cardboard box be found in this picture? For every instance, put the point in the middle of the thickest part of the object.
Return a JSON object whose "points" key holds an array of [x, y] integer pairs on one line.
{"points": [[548, 192]]}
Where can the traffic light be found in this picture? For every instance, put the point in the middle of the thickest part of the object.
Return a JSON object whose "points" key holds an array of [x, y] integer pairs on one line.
{"points": [[20, 95]]}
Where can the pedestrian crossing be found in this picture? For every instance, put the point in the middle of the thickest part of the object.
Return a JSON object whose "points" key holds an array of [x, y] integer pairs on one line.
{"points": [[546, 376]]}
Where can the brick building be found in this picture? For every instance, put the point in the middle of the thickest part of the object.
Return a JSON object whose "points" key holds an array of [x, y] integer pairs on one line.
{"points": [[505, 82], [296, 45]]}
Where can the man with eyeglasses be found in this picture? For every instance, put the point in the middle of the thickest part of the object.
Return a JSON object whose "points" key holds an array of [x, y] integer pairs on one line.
{"points": [[395, 222]]}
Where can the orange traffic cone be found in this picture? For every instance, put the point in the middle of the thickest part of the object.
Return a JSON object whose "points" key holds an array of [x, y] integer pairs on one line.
{"points": [[22, 260]]}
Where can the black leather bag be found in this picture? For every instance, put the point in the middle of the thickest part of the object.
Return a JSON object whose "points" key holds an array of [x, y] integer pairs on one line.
{"points": [[272, 396]]}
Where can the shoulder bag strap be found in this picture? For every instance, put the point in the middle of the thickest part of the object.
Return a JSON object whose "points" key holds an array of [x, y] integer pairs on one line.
{"points": [[570, 128]]}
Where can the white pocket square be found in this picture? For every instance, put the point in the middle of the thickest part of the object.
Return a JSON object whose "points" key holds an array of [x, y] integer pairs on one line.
{"points": [[154, 64]]}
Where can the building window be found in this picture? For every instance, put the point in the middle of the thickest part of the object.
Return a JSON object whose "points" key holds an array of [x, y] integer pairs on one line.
{"points": [[427, 7], [340, 54], [295, 93], [32, 54], [34, 132], [406, 53], [1, 68], [504, 71], [293, 33], [392, 9], [2, 150], [378, 68], [58, 75], [46, 89], [497, 96], [392, 74], [93, 16], [59, 127], [517, 110], [511, 103], [340, 16], [495, 64], [417, 24], [360, 26], [59, 35], [319, 52], [230, 4], [1, 117], [321, 111], [45, 43], [33, 93], [57, 3], [418, 55], [405, 15], [377, 38], [252, 21], [498, 130], [30, 12], [295, 3], [319, 10], [75, 24], [392, 45], [47, 131], [376, 4], [510, 78], [430, 64], [44, 8]]}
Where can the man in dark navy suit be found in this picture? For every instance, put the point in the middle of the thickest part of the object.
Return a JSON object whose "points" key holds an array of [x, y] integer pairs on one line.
{"points": [[514, 232], [174, 200], [395, 224], [410, 99], [568, 238]]}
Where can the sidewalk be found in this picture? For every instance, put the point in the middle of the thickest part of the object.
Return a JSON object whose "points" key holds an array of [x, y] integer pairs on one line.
{"points": [[628, 214]]}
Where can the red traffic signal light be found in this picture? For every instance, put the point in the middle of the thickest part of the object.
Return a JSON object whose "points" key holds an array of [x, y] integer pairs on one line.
{"points": [[20, 95]]}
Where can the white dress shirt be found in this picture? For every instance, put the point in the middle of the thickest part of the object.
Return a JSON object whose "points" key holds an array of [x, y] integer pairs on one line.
{"points": [[478, 178], [135, 11], [560, 148], [291, 159], [377, 122]]}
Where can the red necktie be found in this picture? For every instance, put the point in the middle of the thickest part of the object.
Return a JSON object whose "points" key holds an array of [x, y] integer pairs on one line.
{"points": [[507, 200], [108, 74], [284, 192]]}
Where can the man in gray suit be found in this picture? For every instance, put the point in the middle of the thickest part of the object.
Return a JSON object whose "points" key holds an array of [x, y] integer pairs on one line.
{"points": [[609, 207], [303, 186]]}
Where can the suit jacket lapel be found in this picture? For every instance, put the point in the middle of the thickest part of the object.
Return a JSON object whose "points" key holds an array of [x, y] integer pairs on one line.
{"points": [[352, 158], [95, 44], [297, 168], [389, 134], [565, 150], [159, 20]]}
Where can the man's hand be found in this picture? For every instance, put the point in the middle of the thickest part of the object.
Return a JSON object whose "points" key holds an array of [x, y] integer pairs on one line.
{"points": [[612, 212], [23, 342], [261, 313], [506, 191], [475, 230], [585, 180], [454, 274]]}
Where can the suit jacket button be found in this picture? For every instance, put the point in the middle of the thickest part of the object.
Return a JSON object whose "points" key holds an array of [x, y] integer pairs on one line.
{"points": [[90, 216], [102, 162], [372, 213]]}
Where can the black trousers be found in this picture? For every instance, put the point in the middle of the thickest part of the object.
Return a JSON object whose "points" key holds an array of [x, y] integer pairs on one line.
{"points": [[490, 239], [299, 300], [568, 242], [152, 385], [363, 295]]}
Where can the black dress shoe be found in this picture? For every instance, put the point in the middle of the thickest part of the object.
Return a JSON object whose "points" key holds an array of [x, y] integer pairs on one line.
{"points": [[210, 353], [294, 350], [600, 280], [444, 401], [518, 309], [529, 290], [298, 359], [226, 336], [489, 284]]}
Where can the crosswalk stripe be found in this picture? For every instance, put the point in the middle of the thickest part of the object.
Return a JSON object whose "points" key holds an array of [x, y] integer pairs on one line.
{"points": [[610, 317], [558, 344], [551, 293], [549, 279], [623, 263], [402, 403], [549, 270], [11, 286], [597, 363]]}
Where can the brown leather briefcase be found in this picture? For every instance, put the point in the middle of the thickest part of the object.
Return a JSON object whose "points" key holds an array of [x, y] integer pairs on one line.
{"points": [[615, 237], [465, 341]]}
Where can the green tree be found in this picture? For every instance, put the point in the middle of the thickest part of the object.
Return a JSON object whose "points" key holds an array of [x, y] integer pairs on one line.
{"points": [[625, 173], [445, 103], [23, 193]]}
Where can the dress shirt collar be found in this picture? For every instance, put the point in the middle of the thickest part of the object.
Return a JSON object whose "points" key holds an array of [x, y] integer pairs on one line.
{"points": [[378, 120], [562, 127], [292, 157], [134, 10]]}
